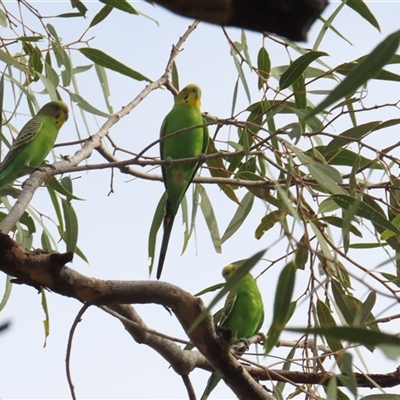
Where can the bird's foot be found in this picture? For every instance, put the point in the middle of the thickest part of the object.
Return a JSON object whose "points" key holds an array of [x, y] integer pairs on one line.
{"points": [[261, 338], [241, 346], [46, 164]]}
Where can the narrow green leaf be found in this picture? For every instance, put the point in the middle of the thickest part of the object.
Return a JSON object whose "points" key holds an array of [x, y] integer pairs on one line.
{"points": [[347, 308], [52, 32], [344, 157], [351, 135], [69, 15], [297, 67], [79, 253], [122, 5], [82, 103], [66, 73], [46, 321], [331, 389], [3, 19], [45, 241], [362, 9], [175, 76], [337, 221], [71, 226], [80, 6], [1, 100], [327, 322], [57, 208], [263, 66], [62, 188], [208, 212], [217, 170], [386, 396], [326, 176], [154, 228], [27, 220], [300, 95], [347, 377], [51, 75], [364, 210], [366, 70], [242, 77], [234, 97], [268, 221], [367, 245], [101, 15], [83, 68], [30, 38], [328, 24], [261, 193], [7, 59], [389, 344], [241, 213], [7, 292], [106, 61], [185, 219], [301, 257], [367, 306], [195, 207], [283, 297], [212, 288], [102, 75], [48, 84]]}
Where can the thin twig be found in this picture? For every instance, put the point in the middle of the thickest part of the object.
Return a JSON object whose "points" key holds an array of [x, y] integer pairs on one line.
{"points": [[69, 349]]}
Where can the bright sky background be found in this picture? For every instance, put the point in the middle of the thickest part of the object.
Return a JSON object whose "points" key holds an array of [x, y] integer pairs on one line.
{"points": [[106, 362]]}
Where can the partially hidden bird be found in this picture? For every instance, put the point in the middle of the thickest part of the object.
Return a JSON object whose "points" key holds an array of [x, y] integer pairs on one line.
{"points": [[185, 116], [242, 314], [34, 142]]}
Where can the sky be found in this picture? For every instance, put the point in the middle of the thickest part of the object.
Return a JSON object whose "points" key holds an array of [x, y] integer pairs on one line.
{"points": [[113, 228]]}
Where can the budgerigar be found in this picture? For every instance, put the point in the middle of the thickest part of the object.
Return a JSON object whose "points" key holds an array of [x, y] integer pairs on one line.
{"points": [[243, 314], [190, 143], [34, 142]]}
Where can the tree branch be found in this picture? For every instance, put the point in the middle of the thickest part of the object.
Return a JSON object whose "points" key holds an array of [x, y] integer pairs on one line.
{"points": [[47, 269]]}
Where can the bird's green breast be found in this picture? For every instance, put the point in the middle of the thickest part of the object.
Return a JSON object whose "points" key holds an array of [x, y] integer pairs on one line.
{"points": [[44, 141], [185, 145], [188, 143], [248, 312]]}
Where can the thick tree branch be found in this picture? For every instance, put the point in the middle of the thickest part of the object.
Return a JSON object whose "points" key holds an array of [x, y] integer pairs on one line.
{"points": [[47, 269], [287, 18]]}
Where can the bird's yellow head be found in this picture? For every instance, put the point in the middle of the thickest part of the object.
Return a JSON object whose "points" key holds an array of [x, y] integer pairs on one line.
{"points": [[56, 109], [228, 271], [190, 95]]}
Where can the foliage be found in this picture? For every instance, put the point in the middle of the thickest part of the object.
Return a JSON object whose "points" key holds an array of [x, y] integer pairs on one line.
{"points": [[318, 168]]}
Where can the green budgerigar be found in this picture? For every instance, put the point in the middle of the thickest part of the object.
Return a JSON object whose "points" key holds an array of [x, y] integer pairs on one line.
{"points": [[190, 143], [34, 142], [243, 314]]}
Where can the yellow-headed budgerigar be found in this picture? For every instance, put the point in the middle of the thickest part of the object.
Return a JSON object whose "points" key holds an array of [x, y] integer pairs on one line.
{"points": [[243, 314], [34, 142], [190, 143]]}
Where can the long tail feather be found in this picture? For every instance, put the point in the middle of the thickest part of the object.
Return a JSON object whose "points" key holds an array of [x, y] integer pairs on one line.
{"points": [[211, 384], [168, 223]]}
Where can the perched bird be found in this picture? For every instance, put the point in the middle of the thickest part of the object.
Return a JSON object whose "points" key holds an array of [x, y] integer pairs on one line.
{"points": [[34, 142], [190, 143], [243, 314]]}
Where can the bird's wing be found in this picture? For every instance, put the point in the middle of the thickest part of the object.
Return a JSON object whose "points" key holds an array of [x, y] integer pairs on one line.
{"points": [[228, 307], [26, 135]]}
